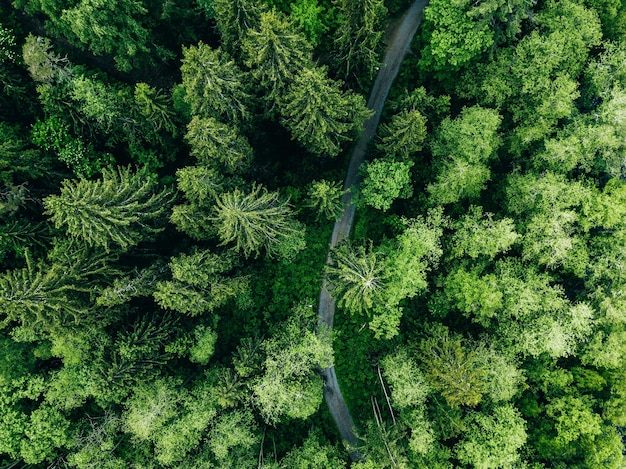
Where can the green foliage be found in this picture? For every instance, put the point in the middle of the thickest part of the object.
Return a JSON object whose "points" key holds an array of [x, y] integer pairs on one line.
{"points": [[313, 454], [139, 283], [96, 444], [200, 185], [404, 134], [480, 235], [217, 144], [43, 64], [356, 277], [122, 208], [536, 78], [474, 295], [8, 49], [326, 198], [541, 318], [48, 298], [202, 350], [214, 85], [413, 254], [253, 221], [604, 73], [118, 29], [590, 143], [407, 382], [311, 17], [319, 114], [463, 147], [53, 135], [453, 368], [289, 386], [235, 18], [154, 105], [573, 419], [173, 418], [18, 160], [384, 181], [200, 283], [46, 431], [493, 441], [150, 407], [453, 36], [376, 281], [276, 53], [525, 157], [232, 431], [358, 39]]}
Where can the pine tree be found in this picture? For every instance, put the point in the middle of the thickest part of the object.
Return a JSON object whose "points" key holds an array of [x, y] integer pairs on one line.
{"points": [[120, 209], [276, 52], [256, 220], [214, 85], [319, 114]]}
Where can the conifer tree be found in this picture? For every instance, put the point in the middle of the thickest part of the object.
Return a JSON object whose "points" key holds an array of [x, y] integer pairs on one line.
{"points": [[214, 143], [404, 135], [325, 198], [122, 208], [45, 298], [276, 52], [357, 45], [214, 85], [255, 220], [234, 19], [320, 115], [357, 277]]}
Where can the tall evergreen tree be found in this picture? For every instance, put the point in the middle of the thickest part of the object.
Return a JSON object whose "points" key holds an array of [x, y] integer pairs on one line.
{"points": [[357, 45], [356, 277], [122, 208], [276, 52], [320, 115], [214, 85], [253, 221], [234, 19], [217, 144]]}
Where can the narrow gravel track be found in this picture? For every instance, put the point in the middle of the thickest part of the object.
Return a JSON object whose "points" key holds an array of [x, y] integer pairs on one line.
{"points": [[398, 46]]}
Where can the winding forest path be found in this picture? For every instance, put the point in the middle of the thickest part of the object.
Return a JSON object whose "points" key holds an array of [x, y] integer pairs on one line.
{"points": [[398, 45]]}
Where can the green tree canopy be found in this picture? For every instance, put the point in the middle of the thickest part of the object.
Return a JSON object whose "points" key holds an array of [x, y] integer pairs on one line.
{"points": [[276, 52], [462, 148], [319, 114], [255, 220], [214, 85], [122, 208]]}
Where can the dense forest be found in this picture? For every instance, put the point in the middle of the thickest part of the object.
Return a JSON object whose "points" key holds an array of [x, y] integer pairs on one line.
{"points": [[170, 173]]}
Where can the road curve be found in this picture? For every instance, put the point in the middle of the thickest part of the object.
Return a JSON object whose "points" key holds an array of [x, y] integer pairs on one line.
{"points": [[398, 46]]}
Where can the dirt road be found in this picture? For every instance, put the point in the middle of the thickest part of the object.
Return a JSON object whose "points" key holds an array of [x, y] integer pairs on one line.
{"points": [[398, 46]]}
